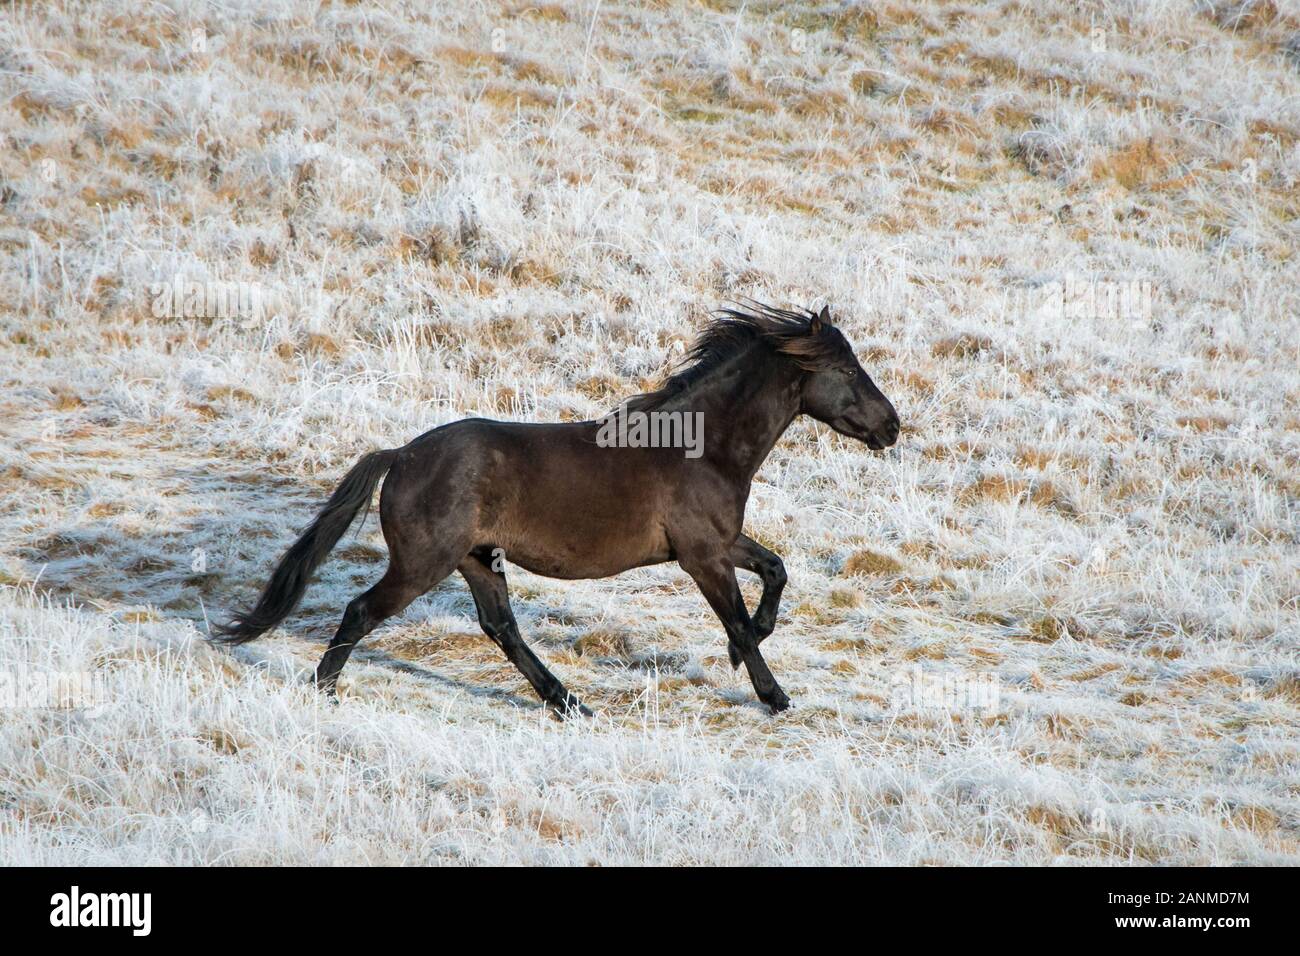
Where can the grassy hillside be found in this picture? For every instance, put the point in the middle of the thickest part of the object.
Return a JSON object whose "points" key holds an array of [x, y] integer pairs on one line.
{"points": [[1057, 622]]}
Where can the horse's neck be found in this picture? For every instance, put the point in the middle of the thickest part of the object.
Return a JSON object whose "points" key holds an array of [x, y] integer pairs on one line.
{"points": [[747, 406]]}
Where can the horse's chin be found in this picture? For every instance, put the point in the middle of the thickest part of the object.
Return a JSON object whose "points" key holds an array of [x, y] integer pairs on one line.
{"points": [[869, 437], [851, 429]]}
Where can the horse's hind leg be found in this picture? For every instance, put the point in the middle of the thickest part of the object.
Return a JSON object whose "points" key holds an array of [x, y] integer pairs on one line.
{"points": [[492, 599], [396, 589]]}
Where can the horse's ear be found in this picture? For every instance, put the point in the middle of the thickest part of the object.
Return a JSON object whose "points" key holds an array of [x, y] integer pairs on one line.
{"points": [[824, 318]]}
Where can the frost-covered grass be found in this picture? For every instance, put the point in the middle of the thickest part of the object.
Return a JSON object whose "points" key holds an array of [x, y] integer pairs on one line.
{"points": [[525, 212], [191, 758]]}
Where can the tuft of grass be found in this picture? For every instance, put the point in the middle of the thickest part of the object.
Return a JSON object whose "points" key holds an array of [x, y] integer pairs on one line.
{"points": [[1285, 688], [966, 345], [867, 562], [604, 642], [996, 488], [846, 598], [1137, 164], [1047, 629]]}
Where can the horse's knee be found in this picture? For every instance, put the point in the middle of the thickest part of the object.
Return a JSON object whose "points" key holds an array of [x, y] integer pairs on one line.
{"points": [[774, 571], [355, 614]]}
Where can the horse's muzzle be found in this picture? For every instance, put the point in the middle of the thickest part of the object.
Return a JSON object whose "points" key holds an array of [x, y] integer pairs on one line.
{"points": [[885, 435]]}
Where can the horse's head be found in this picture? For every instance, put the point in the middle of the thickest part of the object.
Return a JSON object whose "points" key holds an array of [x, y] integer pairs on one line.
{"points": [[839, 393]]}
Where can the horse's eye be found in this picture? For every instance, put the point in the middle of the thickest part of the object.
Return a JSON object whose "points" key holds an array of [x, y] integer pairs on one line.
{"points": [[850, 372]]}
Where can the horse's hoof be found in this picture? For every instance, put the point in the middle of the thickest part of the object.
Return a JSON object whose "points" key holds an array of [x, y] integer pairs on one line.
{"points": [[778, 701], [570, 707]]}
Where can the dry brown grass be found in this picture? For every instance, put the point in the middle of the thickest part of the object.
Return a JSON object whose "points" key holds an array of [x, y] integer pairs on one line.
{"points": [[603, 642], [866, 562]]}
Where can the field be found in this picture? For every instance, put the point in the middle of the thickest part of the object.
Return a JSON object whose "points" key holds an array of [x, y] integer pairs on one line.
{"points": [[245, 243]]}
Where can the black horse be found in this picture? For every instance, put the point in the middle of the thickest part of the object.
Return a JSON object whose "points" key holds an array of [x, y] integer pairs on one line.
{"points": [[592, 499]]}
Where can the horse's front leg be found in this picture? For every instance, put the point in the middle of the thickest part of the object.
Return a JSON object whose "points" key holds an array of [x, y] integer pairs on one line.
{"points": [[716, 578], [749, 555]]}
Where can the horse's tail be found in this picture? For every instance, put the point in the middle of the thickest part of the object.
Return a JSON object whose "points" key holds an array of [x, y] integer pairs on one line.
{"points": [[291, 576]]}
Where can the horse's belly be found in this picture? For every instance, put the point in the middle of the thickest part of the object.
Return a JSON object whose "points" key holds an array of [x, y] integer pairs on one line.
{"points": [[583, 549], [559, 511]]}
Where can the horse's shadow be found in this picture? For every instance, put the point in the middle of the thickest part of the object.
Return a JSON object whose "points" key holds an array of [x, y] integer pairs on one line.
{"points": [[249, 656], [216, 554]]}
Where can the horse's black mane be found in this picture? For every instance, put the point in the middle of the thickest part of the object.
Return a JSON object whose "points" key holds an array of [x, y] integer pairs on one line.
{"points": [[734, 330]]}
